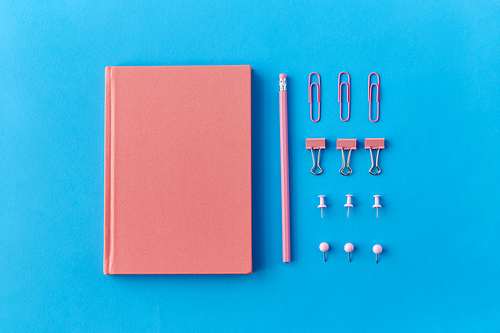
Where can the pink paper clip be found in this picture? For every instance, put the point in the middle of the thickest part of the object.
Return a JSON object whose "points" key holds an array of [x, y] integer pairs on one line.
{"points": [[370, 86], [318, 95], [346, 144], [374, 144], [316, 144], [348, 85]]}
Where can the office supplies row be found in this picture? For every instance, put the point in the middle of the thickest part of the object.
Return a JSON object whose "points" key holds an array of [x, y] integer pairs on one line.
{"points": [[349, 248], [345, 144], [348, 203], [319, 144], [348, 87]]}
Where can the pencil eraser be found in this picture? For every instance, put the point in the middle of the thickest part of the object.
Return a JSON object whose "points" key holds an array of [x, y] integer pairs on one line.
{"points": [[282, 76]]}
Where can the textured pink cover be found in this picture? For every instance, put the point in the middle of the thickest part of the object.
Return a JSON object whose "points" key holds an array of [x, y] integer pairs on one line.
{"points": [[178, 186]]}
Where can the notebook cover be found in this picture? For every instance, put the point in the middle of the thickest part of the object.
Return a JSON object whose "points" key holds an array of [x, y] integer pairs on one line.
{"points": [[178, 185]]}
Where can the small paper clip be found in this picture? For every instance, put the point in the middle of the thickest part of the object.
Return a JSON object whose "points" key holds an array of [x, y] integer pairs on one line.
{"points": [[374, 144], [370, 86], [348, 85], [346, 144], [318, 95], [316, 144]]}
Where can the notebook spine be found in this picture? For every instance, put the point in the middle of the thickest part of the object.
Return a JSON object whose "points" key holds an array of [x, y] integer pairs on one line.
{"points": [[107, 176]]}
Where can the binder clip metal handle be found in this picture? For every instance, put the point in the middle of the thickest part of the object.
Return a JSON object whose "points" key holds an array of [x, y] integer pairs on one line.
{"points": [[346, 144], [316, 144], [375, 144], [318, 96], [370, 86]]}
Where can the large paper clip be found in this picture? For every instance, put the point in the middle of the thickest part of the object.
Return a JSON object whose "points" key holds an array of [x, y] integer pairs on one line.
{"points": [[318, 95], [374, 144], [348, 86], [370, 86], [316, 144], [346, 144]]}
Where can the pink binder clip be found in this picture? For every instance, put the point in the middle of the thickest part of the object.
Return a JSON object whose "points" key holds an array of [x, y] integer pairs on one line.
{"points": [[316, 144], [374, 144], [318, 95], [346, 144], [370, 86], [348, 85]]}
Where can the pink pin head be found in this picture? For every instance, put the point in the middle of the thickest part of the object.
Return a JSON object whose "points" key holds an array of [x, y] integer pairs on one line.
{"points": [[377, 249], [348, 247], [348, 204], [323, 247]]}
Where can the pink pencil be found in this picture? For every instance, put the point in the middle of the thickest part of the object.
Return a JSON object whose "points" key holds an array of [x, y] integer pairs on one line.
{"points": [[285, 190]]}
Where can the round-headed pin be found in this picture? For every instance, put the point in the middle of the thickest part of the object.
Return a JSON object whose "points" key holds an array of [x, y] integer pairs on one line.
{"points": [[321, 203], [348, 204], [377, 203], [323, 247], [377, 249], [349, 248]]}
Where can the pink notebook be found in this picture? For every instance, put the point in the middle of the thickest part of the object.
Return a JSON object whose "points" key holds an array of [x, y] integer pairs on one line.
{"points": [[178, 182]]}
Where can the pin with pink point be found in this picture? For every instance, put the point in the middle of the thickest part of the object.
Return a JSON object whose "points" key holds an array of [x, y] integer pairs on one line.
{"points": [[377, 249], [348, 204], [321, 203], [377, 203], [323, 247], [349, 248]]}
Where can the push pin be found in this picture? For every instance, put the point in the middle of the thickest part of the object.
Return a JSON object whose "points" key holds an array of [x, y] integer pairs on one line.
{"points": [[323, 247], [318, 144], [321, 203], [349, 248], [377, 203], [348, 204], [346, 144], [377, 249], [375, 144]]}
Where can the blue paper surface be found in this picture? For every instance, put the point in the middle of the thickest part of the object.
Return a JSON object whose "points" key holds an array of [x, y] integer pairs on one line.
{"points": [[439, 65]]}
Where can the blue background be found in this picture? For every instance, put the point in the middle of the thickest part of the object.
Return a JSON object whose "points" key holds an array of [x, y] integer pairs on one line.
{"points": [[439, 65]]}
